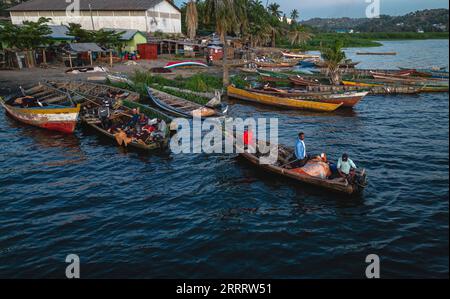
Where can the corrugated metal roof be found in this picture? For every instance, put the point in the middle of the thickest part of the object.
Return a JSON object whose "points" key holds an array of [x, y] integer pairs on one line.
{"points": [[128, 34], [61, 5], [60, 32], [85, 47]]}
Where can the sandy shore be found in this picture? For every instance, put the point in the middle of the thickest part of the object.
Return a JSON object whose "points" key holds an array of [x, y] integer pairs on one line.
{"points": [[10, 80]]}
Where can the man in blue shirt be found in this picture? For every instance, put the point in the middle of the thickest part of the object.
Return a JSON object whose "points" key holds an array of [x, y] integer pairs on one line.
{"points": [[300, 152]]}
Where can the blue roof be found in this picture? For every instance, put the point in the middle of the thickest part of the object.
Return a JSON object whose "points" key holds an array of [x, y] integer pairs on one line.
{"points": [[60, 32]]}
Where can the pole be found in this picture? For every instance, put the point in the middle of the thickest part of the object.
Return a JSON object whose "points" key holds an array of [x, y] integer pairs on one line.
{"points": [[90, 57], [70, 60], [44, 56], [110, 58], [92, 17]]}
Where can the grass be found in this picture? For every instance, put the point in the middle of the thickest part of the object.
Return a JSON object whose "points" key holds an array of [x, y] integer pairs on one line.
{"points": [[196, 83]]}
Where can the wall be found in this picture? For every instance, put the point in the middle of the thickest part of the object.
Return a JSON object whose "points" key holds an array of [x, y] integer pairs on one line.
{"points": [[137, 39], [163, 17]]}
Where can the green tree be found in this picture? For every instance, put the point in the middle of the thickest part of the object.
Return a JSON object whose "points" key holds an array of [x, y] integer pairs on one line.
{"points": [[298, 35], [294, 15], [333, 57], [229, 16], [108, 39], [82, 35]]}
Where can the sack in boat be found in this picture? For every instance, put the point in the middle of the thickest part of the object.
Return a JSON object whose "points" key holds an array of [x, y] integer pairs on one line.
{"points": [[316, 169], [203, 112], [122, 138]]}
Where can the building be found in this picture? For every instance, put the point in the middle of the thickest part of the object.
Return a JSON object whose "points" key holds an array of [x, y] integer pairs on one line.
{"points": [[141, 15], [130, 37]]}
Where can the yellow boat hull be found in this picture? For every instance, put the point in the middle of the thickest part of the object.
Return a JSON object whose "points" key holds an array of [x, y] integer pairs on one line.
{"points": [[280, 102], [360, 84]]}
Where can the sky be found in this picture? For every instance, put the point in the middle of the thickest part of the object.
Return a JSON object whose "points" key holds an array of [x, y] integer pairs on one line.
{"points": [[352, 8]]}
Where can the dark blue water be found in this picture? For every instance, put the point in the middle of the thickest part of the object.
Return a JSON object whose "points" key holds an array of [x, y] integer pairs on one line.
{"points": [[214, 216]]}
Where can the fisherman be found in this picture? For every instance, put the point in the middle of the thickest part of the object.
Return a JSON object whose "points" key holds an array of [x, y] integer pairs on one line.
{"points": [[134, 119], [142, 121], [300, 152], [161, 128], [104, 111], [346, 168]]}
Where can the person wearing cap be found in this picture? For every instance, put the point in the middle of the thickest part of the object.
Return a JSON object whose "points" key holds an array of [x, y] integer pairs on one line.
{"points": [[346, 167]]}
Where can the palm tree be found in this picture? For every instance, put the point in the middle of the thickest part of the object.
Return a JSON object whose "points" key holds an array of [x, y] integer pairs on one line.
{"points": [[229, 16], [333, 57], [274, 10], [191, 19], [294, 15], [298, 35]]}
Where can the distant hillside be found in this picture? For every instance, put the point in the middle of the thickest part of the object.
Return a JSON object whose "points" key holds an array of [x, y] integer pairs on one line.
{"points": [[430, 20]]}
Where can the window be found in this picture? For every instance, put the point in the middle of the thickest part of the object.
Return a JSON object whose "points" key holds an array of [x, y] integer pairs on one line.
{"points": [[175, 16], [153, 14], [105, 13], [122, 13]]}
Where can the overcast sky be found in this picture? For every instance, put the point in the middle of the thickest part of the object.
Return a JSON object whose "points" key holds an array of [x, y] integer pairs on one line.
{"points": [[352, 8]]}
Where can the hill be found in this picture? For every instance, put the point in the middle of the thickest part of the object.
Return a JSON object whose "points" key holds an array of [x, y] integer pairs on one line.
{"points": [[429, 20]]}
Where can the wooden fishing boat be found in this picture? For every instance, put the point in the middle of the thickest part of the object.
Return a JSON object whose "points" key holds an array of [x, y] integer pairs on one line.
{"points": [[301, 81], [281, 167], [122, 115], [182, 107], [300, 56], [380, 89], [185, 63], [349, 99], [276, 64], [281, 102], [343, 65], [268, 76], [376, 53], [90, 89], [43, 107]]}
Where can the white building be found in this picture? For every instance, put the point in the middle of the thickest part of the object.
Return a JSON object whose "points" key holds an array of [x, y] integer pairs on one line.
{"points": [[142, 15]]}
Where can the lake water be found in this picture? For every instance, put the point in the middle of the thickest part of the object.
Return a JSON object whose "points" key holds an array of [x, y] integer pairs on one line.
{"points": [[212, 216]]}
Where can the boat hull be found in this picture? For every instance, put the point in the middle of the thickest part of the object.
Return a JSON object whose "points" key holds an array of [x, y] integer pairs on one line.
{"points": [[347, 100], [55, 119], [281, 102], [328, 185]]}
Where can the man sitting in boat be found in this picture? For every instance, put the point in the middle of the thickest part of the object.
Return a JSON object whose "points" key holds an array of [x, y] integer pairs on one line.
{"points": [[104, 111], [134, 118], [161, 129], [346, 168], [27, 102], [300, 152]]}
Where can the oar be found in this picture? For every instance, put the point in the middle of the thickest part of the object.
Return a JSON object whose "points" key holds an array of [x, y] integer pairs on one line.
{"points": [[282, 166]]}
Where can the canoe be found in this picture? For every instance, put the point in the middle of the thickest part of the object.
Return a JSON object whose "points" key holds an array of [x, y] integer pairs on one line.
{"points": [[276, 64], [376, 53], [175, 64], [181, 107], [378, 88], [300, 56], [90, 89], [349, 99], [281, 102], [285, 155], [47, 109], [344, 65], [122, 115], [300, 81]]}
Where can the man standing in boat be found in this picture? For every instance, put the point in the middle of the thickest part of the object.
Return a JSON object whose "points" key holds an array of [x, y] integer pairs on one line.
{"points": [[300, 152]]}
